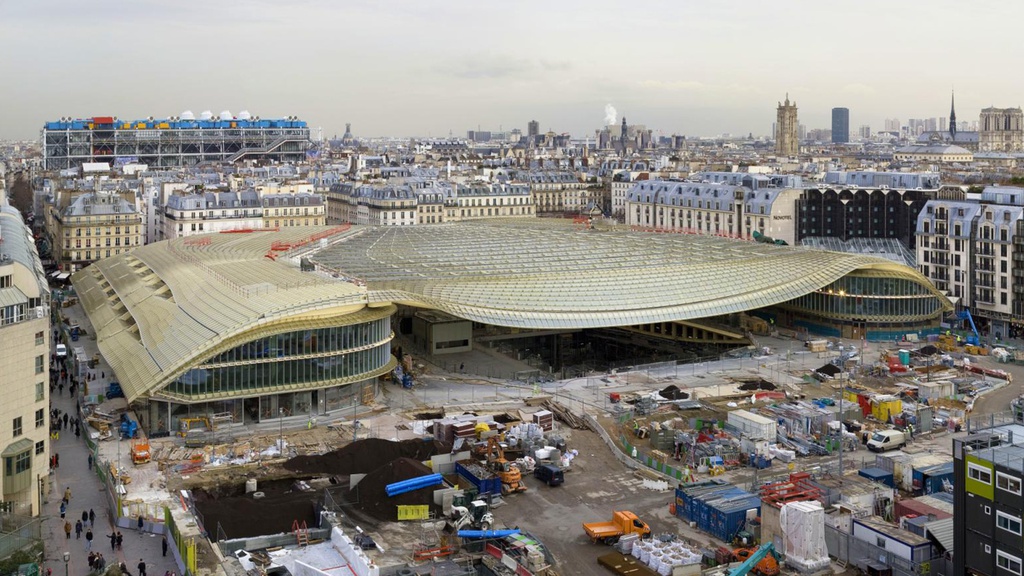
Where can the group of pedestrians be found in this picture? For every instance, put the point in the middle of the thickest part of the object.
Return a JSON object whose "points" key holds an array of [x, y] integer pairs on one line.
{"points": [[64, 417]]}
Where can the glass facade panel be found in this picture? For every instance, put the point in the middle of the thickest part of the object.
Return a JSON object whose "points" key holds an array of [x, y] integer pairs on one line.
{"points": [[871, 300], [303, 358]]}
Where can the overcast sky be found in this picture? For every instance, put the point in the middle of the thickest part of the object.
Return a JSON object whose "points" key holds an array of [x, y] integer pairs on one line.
{"points": [[430, 67]]}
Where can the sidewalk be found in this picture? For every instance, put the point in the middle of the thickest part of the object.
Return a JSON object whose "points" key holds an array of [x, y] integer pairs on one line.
{"points": [[87, 492]]}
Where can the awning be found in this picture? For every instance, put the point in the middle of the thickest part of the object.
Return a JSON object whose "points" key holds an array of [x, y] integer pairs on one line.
{"points": [[54, 273], [941, 531], [12, 297], [16, 448], [64, 276]]}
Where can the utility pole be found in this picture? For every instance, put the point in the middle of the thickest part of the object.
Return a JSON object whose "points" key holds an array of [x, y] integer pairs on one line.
{"points": [[842, 392]]}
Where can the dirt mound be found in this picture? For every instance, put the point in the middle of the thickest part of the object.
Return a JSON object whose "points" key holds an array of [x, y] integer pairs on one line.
{"points": [[243, 516], [672, 392], [373, 500], [365, 456], [758, 385]]}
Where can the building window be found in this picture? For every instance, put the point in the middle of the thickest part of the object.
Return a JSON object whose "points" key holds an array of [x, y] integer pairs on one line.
{"points": [[1006, 522], [40, 418], [39, 338], [16, 427], [40, 364], [40, 447], [880, 542], [1008, 562], [979, 473], [1008, 483], [20, 463], [40, 391]]}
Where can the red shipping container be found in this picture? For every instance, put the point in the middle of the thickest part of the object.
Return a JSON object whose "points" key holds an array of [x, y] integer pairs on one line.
{"points": [[102, 119]]}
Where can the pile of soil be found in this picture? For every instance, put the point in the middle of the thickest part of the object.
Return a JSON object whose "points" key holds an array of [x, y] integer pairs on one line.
{"points": [[243, 516], [758, 385], [371, 498], [672, 392], [365, 456]]}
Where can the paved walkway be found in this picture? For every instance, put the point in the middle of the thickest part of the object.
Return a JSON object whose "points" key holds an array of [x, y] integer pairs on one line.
{"points": [[87, 493]]}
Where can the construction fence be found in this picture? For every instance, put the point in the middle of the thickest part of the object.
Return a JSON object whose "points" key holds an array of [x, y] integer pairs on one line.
{"points": [[185, 546], [19, 531]]}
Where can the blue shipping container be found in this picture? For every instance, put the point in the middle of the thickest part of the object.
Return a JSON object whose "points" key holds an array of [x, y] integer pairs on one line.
{"points": [[879, 475], [718, 509]]}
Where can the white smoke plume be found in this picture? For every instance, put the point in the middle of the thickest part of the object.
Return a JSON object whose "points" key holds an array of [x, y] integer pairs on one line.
{"points": [[609, 114]]}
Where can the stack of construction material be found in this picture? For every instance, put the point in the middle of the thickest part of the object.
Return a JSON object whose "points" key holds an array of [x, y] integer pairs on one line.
{"points": [[545, 419], [803, 530], [664, 557]]}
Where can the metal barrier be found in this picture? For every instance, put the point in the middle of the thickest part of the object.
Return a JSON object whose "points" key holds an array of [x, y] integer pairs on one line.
{"points": [[186, 546]]}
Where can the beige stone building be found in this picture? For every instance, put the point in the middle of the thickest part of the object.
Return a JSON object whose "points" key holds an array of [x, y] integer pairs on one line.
{"points": [[94, 225], [787, 130], [24, 366], [302, 209], [1001, 130], [482, 200]]}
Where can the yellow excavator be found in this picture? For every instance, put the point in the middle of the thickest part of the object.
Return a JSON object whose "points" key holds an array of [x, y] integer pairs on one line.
{"points": [[511, 476]]}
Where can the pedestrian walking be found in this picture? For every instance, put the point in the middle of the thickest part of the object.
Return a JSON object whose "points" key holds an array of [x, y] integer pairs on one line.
{"points": [[120, 539], [92, 518], [67, 529], [85, 517], [90, 461], [56, 457], [78, 529], [67, 494], [92, 561], [78, 433], [142, 523], [142, 567], [60, 388], [113, 540], [63, 509], [163, 546], [88, 540]]}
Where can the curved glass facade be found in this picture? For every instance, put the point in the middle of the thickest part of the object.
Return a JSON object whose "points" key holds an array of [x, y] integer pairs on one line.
{"points": [[871, 299], [303, 358]]}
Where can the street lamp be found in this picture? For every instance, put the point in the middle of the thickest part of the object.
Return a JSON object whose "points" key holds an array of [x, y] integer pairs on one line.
{"points": [[280, 430], [67, 558]]}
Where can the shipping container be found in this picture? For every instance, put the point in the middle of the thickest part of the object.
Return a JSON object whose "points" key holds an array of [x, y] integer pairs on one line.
{"points": [[879, 475], [914, 506], [752, 425], [933, 479], [721, 510]]}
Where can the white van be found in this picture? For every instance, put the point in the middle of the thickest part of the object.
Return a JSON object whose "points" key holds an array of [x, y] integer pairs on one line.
{"points": [[884, 440]]}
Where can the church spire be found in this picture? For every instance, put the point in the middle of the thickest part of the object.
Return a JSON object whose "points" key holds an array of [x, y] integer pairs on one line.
{"points": [[952, 116]]}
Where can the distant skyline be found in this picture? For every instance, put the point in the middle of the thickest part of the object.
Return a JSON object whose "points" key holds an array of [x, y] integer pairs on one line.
{"points": [[410, 68]]}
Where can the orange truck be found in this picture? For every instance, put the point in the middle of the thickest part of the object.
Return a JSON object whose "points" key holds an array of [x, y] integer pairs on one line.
{"points": [[623, 522]]}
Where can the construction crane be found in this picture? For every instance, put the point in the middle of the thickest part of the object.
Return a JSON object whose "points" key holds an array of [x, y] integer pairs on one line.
{"points": [[763, 562], [511, 476], [966, 315]]}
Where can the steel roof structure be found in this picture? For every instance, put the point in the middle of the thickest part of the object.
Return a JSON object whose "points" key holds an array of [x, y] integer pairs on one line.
{"points": [[548, 274], [166, 307]]}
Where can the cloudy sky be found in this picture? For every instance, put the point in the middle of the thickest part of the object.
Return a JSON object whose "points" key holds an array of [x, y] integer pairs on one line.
{"points": [[696, 67]]}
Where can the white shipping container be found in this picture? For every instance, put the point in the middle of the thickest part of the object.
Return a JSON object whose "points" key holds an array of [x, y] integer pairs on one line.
{"points": [[752, 425]]}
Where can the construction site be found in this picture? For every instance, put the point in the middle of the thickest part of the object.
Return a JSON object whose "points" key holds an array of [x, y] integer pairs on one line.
{"points": [[763, 462]]}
